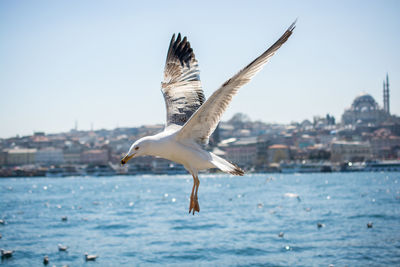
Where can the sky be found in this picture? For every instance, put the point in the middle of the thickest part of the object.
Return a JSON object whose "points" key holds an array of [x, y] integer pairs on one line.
{"points": [[100, 63]]}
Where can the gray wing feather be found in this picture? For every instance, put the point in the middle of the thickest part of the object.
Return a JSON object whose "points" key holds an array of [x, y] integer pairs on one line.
{"points": [[181, 87], [204, 121]]}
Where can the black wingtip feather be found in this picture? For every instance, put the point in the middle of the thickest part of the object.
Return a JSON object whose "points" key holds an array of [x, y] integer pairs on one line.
{"points": [[180, 49], [237, 171]]}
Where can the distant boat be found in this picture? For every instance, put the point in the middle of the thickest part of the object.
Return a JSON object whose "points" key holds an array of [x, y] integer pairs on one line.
{"points": [[306, 167], [100, 170], [63, 171], [55, 172], [380, 166], [138, 169], [71, 170], [290, 167], [175, 169], [353, 167], [167, 167], [310, 167]]}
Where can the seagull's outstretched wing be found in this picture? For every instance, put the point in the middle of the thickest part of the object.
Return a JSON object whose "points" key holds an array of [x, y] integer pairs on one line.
{"points": [[181, 86], [204, 121]]}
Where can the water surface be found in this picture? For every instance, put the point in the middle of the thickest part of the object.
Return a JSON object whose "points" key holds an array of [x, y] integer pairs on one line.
{"points": [[144, 220]]}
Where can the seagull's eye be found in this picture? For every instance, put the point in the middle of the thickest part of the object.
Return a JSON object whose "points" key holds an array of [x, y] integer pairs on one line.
{"points": [[136, 148]]}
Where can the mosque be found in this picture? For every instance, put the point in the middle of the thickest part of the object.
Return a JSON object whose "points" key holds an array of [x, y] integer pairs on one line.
{"points": [[366, 111]]}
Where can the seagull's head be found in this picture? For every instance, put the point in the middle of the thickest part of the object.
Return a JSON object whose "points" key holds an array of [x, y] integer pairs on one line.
{"points": [[139, 148]]}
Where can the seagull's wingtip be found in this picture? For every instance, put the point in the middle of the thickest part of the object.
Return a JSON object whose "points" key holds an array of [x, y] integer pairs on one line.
{"points": [[293, 25]]}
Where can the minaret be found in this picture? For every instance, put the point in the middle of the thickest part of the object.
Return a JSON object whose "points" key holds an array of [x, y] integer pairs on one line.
{"points": [[386, 96]]}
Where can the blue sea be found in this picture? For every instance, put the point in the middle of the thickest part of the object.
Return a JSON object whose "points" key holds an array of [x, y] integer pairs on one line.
{"points": [[144, 220]]}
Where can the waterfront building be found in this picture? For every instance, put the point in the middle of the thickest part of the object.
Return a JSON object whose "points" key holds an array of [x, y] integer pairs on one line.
{"points": [[278, 153], [263, 142], [3, 157], [49, 155], [72, 157], [72, 152], [21, 156], [343, 151], [95, 156], [242, 152], [384, 144], [318, 152]]}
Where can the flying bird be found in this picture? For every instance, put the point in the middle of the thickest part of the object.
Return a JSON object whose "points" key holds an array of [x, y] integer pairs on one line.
{"points": [[190, 118]]}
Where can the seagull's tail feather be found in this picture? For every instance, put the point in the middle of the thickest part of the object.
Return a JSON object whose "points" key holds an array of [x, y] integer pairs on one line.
{"points": [[226, 166]]}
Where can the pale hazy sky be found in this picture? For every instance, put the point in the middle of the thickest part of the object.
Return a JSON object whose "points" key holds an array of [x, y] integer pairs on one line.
{"points": [[101, 62]]}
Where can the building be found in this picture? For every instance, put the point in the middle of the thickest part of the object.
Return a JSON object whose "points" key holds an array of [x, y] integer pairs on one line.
{"points": [[305, 141], [49, 155], [344, 151], [242, 152], [384, 144], [3, 158], [72, 152], [364, 111], [278, 153], [39, 140], [263, 142], [21, 156], [95, 156]]}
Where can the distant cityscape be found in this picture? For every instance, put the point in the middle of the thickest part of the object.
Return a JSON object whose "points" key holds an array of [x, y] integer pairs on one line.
{"points": [[367, 138]]}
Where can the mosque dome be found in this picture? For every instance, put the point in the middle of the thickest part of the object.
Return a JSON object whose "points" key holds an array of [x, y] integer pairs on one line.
{"points": [[364, 103], [364, 110]]}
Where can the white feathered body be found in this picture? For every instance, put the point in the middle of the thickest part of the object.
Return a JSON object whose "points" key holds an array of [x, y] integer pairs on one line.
{"points": [[186, 152]]}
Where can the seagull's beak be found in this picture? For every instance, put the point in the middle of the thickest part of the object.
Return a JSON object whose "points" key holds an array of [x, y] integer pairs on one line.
{"points": [[126, 159]]}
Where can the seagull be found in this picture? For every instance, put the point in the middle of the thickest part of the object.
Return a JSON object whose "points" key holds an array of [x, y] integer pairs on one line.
{"points": [[6, 253], [293, 195], [190, 119], [90, 257], [46, 260], [62, 247]]}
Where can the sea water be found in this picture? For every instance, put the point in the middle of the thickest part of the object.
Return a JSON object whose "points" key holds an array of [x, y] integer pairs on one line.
{"points": [[144, 220]]}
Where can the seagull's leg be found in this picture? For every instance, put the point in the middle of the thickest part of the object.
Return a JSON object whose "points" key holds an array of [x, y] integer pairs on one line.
{"points": [[196, 203], [192, 196]]}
